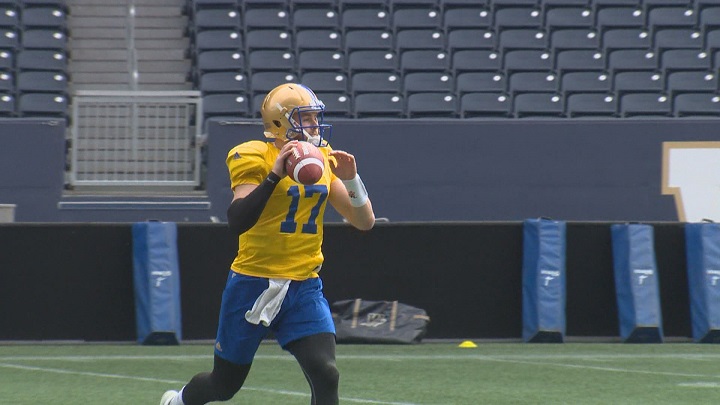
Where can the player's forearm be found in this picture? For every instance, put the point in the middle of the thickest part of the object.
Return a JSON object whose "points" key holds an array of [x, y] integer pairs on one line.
{"points": [[244, 213]]}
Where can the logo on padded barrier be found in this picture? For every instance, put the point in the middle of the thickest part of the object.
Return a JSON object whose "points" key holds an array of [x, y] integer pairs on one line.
{"points": [[713, 275], [643, 274], [691, 174], [160, 276], [549, 275]]}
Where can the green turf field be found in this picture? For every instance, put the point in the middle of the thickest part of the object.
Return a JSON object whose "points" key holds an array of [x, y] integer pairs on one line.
{"points": [[430, 373]]}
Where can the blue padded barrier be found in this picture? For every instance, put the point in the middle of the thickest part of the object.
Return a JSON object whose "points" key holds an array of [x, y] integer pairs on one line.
{"points": [[543, 280], [157, 283], [702, 242], [636, 283]]}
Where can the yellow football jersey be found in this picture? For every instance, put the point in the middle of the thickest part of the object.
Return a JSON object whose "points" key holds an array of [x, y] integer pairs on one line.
{"points": [[286, 241]]}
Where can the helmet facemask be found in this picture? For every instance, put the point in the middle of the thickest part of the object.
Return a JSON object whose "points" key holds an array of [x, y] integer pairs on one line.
{"points": [[306, 130]]}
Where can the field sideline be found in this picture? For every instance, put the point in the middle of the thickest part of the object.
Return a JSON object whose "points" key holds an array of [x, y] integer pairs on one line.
{"points": [[425, 374]]}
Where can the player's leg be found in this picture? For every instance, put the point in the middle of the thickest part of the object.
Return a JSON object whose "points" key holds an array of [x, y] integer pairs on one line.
{"points": [[235, 346], [307, 331], [316, 356]]}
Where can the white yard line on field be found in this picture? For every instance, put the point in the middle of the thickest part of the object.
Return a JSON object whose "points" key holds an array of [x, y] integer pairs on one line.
{"points": [[176, 382]]}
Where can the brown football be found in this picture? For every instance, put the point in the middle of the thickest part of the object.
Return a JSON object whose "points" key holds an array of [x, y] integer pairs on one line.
{"points": [[305, 164]]}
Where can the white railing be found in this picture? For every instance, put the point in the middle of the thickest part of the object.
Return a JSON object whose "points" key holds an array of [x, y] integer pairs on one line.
{"points": [[135, 138]]}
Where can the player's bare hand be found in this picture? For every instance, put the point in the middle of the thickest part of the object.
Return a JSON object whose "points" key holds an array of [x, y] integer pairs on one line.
{"points": [[344, 165], [279, 165]]}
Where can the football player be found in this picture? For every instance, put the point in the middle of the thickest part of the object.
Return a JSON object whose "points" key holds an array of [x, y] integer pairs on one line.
{"points": [[273, 284]]}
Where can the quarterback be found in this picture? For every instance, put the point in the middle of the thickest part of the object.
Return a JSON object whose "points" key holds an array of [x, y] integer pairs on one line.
{"points": [[273, 283]]}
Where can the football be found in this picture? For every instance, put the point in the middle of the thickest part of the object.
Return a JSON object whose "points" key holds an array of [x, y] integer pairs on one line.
{"points": [[305, 164]]}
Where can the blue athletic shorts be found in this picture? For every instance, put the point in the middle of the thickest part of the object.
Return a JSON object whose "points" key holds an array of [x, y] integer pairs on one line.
{"points": [[304, 312]]}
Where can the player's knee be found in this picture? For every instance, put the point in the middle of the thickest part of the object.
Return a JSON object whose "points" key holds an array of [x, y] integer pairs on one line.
{"points": [[327, 372]]}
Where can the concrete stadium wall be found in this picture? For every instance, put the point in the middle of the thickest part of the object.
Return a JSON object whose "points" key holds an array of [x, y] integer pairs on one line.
{"points": [[74, 281]]}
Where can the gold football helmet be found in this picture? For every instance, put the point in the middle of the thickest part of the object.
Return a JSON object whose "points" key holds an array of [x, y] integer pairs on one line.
{"points": [[282, 114]]}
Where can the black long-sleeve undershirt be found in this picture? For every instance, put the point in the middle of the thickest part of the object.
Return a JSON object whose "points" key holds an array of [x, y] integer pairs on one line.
{"points": [[244, 213]]}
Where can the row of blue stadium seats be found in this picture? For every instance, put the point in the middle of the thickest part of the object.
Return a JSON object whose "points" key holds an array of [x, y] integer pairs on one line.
{"points": [[624, 38], [391, 5], [33, 39], [518, 82], [32, 17], [457, 62], [33, 59], [487, 104], [467, 17]]}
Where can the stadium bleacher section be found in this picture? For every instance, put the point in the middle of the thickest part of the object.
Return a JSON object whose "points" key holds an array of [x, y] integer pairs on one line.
{"points": [[450, 58]]}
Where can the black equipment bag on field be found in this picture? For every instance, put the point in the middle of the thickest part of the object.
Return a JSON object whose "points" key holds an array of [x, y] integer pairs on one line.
{"points": [[359, 321]]}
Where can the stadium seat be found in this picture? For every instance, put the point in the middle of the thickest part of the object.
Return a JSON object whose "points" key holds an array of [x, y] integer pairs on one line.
{"points": [[522, 39], [517, 17], [645, 105], [328, 82], [626, 38], [314, 60], [256, 104], [318, 39], [419, 39], [569, 17], [44, 17], [385, 105], [366, 18], [228, 60], [710, 18], [671, 17], [416, 18], [316, 17], [585, 82], [591, 105], [218, 39], [471, 39], [9, 17], [43, 105], [263, 82], [350, 4], [619, 17], [476, 60], [9, 39], [375, 82], [638, 81], [528, 60], [7, 105], [480, 82], [31, 59], [196, 5], [690, 81], [580, 59], [432, 105], [226, 18], [486, 105], [428, 82], [574, 38], [369, 39], [42, 82], [696, 105], [712, 40], [223, 82], [7, 83], [524, 82], [400, 4], [7, 60], [267, 18], [539, 105], [632, 59], [268, 39], [466, 18], [673, 38], [336, 104], [271, 59], [372, 60], [685, 59], [424, 60], [226, 105]]}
